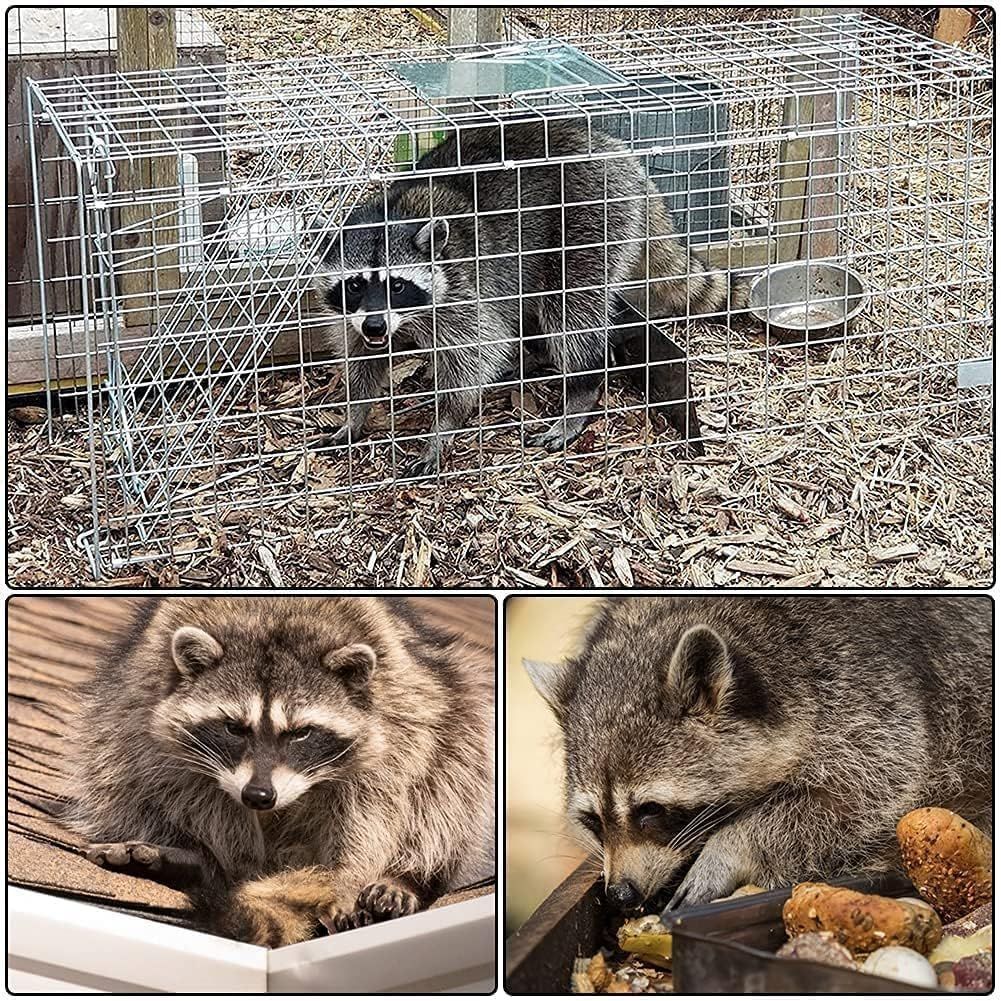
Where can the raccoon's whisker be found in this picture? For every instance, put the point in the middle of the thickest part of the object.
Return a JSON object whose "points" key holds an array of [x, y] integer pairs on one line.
{"points": [[584, 843], [328, 761], [694, 822], [704, 829], [696, 831], [202, 749], [183, 764], [702, 821]]}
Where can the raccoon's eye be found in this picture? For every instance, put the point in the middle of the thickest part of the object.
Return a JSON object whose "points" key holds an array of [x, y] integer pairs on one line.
{"points": [[301, 734], [396, 286], [236, 729], [648, 813], [592, 822], [353, 285]]}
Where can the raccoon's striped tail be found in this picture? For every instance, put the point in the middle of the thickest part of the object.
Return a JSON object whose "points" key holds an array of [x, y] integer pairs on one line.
{"points": [[273, 911], [724, 293], [702, 291], [681, 283]]}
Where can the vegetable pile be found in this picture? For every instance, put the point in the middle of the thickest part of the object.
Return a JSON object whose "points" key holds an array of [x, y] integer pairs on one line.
{"points": [[949, 862], [940, 940]]}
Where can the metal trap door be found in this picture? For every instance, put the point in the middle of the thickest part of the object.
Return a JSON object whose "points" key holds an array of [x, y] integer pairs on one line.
{"points": [[687, 115]]}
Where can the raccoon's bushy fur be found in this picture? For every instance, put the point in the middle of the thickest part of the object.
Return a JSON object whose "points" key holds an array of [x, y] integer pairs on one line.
{"points": [[573, 256], [770, 740], [402, 812]]}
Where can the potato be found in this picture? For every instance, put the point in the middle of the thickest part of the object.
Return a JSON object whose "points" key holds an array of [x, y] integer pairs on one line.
{"points": [[952, 948], [860, 922], [974, 974], [817, 947], [970, 923], [647, 938], [947, 859]]}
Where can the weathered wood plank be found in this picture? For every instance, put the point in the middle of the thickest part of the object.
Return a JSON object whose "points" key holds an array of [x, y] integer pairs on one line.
{"points": [[148, 260], [953, 25], [49, 43]]}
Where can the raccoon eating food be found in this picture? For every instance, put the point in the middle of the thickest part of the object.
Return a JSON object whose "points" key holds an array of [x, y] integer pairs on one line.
{"points": [[568, 258], [288, 762], [768, 740]]}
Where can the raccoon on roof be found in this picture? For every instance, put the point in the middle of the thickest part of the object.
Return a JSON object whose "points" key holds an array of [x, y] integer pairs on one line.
{"points": [[289, 762]]}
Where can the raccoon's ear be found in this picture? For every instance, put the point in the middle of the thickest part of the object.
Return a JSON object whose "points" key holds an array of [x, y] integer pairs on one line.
{"points": [[436, 228], [353, 664], [700, 672], [194, 651], [547, 679]]}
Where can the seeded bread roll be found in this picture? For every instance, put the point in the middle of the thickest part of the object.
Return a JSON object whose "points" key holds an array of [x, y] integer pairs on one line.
{"points": [[861, 922], [947, 859]]}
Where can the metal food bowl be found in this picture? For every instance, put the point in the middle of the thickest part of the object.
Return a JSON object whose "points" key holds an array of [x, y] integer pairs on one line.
{"points": [[815, 300]]}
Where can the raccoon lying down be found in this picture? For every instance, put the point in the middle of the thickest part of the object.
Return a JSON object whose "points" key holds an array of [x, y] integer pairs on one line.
{"points": [[570, 260], [290, 763], [715, 742]]}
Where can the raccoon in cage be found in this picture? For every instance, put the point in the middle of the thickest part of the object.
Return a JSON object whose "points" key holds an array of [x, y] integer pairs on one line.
{"points": [[568, 259]]}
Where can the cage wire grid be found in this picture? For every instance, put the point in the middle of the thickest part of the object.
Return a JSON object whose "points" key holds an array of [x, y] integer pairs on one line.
{"points": [[195, 212]]}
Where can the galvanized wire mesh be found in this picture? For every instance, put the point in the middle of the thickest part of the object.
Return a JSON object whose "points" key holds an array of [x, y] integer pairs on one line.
{"points": [[195, 212]]}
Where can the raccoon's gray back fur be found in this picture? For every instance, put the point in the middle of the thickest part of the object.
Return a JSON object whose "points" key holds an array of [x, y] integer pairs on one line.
{"points": [[414, 798], [778, 739], [564, 255]]}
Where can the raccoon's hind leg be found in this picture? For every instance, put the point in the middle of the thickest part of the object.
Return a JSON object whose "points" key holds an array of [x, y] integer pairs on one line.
{"points": [[279, 910], [175, 867], [391, 897], [658, 368], [580, 354]]}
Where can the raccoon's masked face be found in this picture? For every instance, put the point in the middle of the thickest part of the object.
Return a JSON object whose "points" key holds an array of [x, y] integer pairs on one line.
{"points": [[660, 753], [262, 748], [379, 300]]}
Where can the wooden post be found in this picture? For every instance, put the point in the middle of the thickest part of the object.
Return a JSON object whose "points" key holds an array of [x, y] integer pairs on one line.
{"points": [[953, 25], [471, 25], [808, 190], [147, 41]]}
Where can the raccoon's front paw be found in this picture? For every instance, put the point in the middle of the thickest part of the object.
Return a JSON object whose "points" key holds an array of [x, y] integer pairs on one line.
{"points": [[426, 465], [329, 439], [135, 858], [556, 438], [172, 866], [383, 901], [708, 879]]}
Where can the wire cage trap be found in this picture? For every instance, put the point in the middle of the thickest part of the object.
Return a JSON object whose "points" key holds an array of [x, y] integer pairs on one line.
{"points": [[554, 250]]}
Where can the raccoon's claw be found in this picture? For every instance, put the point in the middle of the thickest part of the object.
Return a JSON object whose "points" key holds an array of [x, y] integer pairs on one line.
{"points": [[425, 466], [329, 439], [141, 858], [336, 920], [556, 438], [383, 901], [701, 885]]}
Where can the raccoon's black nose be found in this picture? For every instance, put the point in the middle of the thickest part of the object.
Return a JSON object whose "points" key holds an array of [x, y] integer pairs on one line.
{"points": [[622, 895], [258, 797], [373, 325]]}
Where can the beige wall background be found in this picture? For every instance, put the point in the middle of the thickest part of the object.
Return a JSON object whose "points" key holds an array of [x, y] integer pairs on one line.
{"points": [[538, 857]]}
